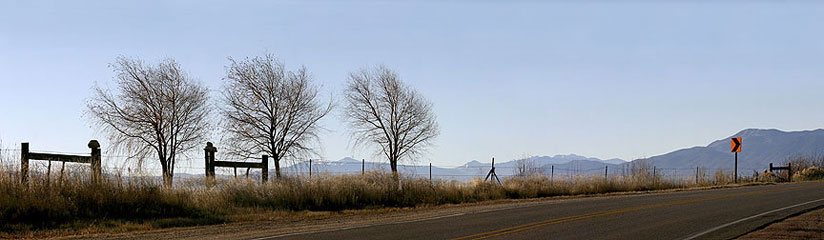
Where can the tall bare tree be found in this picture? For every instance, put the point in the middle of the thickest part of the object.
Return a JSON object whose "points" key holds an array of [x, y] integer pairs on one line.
{"points": [[271, 110], [527, 167], [382, 110], [153, 110]]}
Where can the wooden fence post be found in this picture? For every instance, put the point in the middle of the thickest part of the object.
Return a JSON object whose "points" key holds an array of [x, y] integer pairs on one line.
{"points": [[94, 160], [62, 167], [48, 173], [789, 172], [97, 169], [24, 162], [264, 172], [209, 153], [211, 164]]}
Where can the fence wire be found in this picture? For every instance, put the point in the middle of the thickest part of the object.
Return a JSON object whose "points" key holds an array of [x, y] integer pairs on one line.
{"points": [[120, 165]]}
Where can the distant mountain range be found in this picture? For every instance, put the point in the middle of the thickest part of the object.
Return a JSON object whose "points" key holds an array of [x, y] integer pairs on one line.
{"points": [[468, 171], [760, 147], [546, 160]]}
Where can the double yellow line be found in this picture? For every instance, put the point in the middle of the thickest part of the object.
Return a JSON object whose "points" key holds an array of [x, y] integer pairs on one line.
{"points": [[551, 221]]}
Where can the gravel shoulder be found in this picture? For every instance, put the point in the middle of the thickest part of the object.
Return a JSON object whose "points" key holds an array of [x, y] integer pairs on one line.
{"points": [[809, 225]]}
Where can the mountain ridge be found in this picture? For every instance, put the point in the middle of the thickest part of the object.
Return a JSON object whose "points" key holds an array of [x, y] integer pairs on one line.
{"points": [[759, 148]]}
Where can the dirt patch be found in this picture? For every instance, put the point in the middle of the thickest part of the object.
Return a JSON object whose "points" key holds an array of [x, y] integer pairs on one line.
{"points": [[809, 225]]}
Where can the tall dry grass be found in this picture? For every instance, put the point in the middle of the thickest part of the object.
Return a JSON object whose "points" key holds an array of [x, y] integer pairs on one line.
{"points": [[52, 202], [805, 167], [339, 192]]}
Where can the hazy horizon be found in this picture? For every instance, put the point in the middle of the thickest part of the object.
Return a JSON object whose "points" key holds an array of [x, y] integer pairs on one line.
{"points": [[627, 79]]}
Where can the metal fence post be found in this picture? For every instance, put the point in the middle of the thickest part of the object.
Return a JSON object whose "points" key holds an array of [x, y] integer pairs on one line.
{"points": [[310, 168], [430, 172], [363, 166], [653, 175]]}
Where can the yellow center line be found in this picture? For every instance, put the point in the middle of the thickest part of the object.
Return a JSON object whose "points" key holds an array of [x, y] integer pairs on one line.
{"points": [[551, 221]]}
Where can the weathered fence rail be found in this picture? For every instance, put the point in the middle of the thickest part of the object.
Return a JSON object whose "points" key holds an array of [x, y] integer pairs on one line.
{"points": [[93, 159], [789, 169], [210, 151]]}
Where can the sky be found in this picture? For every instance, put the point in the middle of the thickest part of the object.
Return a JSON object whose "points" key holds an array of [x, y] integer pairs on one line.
{"points": [[606, 79]]}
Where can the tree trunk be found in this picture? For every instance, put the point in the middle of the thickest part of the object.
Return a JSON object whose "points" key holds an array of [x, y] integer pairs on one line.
{"points": [[167, 174], [166, 169], [277, 167], [167, 179], [393, 164]]}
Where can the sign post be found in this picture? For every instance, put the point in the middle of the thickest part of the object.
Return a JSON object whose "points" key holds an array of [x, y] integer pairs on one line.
{"points": [[735, 146]]}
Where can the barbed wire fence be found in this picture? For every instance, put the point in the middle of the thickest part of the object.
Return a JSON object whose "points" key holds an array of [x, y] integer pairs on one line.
{"points": [[188, 167]]}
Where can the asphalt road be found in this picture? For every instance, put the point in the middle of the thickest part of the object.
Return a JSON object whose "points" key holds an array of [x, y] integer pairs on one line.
{"points": [[705, 214]]}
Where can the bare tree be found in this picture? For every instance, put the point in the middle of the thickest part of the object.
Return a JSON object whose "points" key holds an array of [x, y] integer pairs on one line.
{"points": [[270, 110], [153, 110], [527, 167], [382, 110]]}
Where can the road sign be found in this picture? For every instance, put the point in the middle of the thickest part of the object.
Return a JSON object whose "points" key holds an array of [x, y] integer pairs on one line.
{"points": [[735, 144]]}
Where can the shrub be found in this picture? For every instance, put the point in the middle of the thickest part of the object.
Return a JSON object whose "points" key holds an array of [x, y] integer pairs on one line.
{"points": [[768, 177], [810, 173]]}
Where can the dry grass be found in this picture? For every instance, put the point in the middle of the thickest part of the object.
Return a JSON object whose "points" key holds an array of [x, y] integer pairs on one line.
{"points": [[805, 167], [74, 203], [52, 203], [802, 162]]}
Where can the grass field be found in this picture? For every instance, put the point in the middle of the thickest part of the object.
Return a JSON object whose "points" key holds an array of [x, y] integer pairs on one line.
{"points": [[76, 204]]}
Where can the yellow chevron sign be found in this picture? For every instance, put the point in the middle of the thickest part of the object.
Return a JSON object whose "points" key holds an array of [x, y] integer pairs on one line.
{"points": [[735, 144]]}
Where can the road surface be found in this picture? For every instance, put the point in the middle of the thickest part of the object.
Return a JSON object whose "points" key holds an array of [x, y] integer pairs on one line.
{"points": [[705, 214]]}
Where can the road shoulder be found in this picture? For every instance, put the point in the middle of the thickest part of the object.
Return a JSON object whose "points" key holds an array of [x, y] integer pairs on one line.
{"points": [[806, 225]]}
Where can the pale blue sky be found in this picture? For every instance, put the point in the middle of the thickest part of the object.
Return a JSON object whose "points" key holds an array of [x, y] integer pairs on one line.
{"points": [[624, 79]]}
